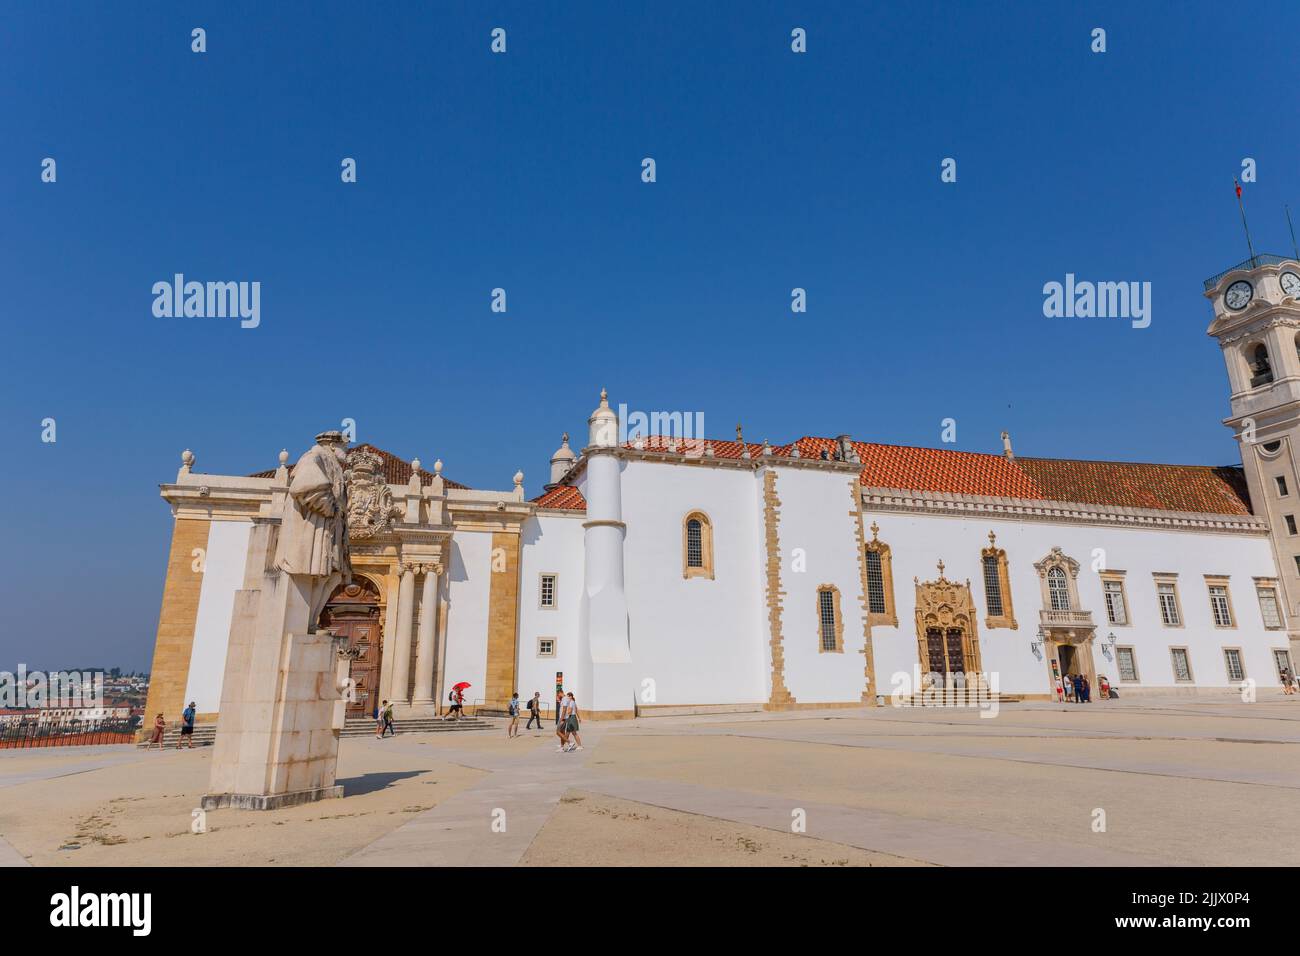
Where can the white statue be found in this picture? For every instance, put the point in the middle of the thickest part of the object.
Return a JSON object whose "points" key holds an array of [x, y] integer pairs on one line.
{"points": [[313, 538]]}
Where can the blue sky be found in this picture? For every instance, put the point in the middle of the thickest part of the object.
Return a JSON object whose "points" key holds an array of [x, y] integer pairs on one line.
{"points": [[522, 171]]}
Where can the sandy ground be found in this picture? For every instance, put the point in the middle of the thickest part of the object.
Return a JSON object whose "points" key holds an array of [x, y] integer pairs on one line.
{"points": [[140, 811], [589, 829], [1184, 781]]}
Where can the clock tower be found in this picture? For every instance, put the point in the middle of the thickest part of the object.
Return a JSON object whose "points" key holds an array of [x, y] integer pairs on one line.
{"points": [[1257, 324]]}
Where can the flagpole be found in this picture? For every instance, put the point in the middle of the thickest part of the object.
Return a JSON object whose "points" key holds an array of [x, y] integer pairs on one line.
{"points": [[1249, 244], [1292, 228]]}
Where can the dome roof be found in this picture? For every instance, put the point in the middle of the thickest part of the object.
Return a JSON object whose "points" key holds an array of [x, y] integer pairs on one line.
{"points": [[603, 412], [564, 452]]}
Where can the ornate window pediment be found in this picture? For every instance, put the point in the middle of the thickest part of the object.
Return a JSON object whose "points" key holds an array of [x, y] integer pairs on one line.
{"points": [[997, 586]]}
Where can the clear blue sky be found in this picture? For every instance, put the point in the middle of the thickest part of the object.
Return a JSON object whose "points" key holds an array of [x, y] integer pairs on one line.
{"points": [[522, 171]]}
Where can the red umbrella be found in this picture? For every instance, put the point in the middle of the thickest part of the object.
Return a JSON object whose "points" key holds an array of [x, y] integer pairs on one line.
{"points": [[461, 686]]}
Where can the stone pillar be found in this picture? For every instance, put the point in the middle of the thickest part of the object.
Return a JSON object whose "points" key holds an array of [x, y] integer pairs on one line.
{"points": [[400, 690], [424, 645]]}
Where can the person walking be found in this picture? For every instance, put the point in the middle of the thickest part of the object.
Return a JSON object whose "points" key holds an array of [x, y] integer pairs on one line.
{"points": [[535, 711], [388, 720], [1087, 688], [1067, 687], [187, 727], [379, 721], [561, 728], [1078, 688], [571, 723], [512, 730], [1288, 686], [159, 725]]}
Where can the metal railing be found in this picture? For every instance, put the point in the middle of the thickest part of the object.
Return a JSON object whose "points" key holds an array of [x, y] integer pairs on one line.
{"points": [[35, 732], [1247, 265]]}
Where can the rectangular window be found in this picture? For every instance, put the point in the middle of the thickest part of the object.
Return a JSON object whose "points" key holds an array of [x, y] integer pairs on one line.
{"points": [[1232, 664], [1169, 604], [992, 586], [546, 598], [826, 613], [1281, 486], [1128, 670], [1290, 524], [1219, 605], [1182, 667], [875, 584], [1268, 607], [546, 647], [1282, 661], [1116, 609], [1297, 563]]}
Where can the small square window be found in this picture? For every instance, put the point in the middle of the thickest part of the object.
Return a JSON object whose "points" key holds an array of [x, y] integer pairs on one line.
{"points": [[1281, 486], [546, 647], [1290, 524]]}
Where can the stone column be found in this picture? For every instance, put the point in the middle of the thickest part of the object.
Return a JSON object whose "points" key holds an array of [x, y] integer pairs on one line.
{"points": [[400, 690], [424, 644]]}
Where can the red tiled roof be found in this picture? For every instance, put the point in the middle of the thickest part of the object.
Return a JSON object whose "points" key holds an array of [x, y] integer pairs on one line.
{"points": [[396, 471], [1200, 488], [562, 496], [1194, 488]]}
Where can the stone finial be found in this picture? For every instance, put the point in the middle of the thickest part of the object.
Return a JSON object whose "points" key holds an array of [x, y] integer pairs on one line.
{"points": [[767, 447], [875, 531], [437, 467], [282, 473], [519, 486], [993, 540], [415, 464], [740, 434], [284, 457], [187, 461], [413, 483], [1006, 446], [794, 451], [941, 567], [519, 478], [708, 451]]}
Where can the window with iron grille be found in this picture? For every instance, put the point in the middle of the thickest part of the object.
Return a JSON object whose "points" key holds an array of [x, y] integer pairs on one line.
{"points": [[992, 586], [1058, 590], [826, 611], [1169, 605], [1127, 663], [1232, 664], [1182, 667], [694, 544], [1269, 609], [1219, 605], [1116, 611], [548, 590], [1282, 661], [875, 584]]}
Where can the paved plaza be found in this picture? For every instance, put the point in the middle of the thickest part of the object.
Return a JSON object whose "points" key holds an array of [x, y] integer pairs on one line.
{"points": [[1170, 780]]}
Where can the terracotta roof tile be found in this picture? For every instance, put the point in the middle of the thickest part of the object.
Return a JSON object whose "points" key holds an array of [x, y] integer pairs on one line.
{"points": [[1200, 488], [562, 496], [396, 471]]}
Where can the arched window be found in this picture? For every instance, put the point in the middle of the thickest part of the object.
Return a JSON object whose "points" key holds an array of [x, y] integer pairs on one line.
{"points": [[697, 546], [1058, 589], [1261, 370]]}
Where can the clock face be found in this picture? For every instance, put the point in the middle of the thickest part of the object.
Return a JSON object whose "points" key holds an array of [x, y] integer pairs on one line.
{"points": [[1290, 284], [1238, 295]]}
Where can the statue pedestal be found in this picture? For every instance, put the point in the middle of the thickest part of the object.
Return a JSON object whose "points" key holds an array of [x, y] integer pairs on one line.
{"points": [[281, 711]]}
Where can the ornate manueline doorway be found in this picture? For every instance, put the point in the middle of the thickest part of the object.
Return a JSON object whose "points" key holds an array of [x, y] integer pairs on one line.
{"points": [[946, 632], [352, 611]]}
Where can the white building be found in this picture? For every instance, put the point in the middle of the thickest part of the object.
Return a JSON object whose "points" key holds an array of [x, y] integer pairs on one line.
{"points": [[657, 574]]}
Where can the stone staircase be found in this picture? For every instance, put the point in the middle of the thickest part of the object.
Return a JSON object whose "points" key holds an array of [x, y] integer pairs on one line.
{"points": [[364, 726], [205, 735]]}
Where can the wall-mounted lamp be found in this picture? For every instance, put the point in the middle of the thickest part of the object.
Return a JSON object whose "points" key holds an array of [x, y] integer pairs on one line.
{"points": [[1108, 646], [1037, 645]]}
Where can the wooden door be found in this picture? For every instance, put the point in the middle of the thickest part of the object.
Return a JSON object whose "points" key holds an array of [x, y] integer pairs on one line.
{"points": [[353, 612]]}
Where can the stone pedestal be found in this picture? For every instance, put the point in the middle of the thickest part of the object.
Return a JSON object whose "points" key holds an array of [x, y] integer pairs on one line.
{"points": [[281, 702]]}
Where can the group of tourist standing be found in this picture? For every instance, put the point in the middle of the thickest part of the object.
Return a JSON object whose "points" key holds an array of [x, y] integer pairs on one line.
{"points": [[566, 719], [1075, 687]]}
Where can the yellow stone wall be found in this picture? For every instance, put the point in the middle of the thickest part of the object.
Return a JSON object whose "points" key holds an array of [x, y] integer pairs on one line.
{"points": [[180, 607], [503, 621]]}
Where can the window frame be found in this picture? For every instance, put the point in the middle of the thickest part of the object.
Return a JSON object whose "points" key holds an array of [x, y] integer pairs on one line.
{"points": [[541, 590], [554, 643], [705, 568], [1007, 618], [1137, 674], [1277, 668], [886, 555], [1172, 581], [1241, 663], [1270, 584], [837, 623], [1187, 656], [1116, 577], [1213, 581], [1281, 487]]}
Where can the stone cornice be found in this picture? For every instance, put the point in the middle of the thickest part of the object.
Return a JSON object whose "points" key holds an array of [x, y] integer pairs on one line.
{"points": [[1057, 512]]}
